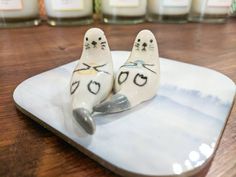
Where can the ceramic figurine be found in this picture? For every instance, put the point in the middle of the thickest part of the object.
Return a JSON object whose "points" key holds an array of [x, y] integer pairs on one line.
{"points": [[92, 78], [138, 79]]}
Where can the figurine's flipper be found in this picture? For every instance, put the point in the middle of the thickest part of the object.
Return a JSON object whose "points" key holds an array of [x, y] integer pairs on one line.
{"points": [[117, 103], [84, 119]]}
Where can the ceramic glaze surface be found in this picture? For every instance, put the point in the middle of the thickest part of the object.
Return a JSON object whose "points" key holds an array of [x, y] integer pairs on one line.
{"points": [[143, 68], [174, 133], [92, 78], [138, 79]]}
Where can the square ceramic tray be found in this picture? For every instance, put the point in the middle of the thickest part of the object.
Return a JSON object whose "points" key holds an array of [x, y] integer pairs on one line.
{"points": [[176, 133]]}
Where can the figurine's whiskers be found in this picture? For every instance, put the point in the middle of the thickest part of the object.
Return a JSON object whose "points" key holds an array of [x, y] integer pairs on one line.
{"points": [[151, 47], [87, 46], [103, 45], [137, 45]]}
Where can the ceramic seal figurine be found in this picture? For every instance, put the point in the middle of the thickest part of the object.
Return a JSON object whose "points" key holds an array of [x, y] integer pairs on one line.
{"points": [[138, 79], [92, 78]]}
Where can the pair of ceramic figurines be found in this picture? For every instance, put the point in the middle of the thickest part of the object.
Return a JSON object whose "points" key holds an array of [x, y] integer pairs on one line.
{"points": [[93, 78]]}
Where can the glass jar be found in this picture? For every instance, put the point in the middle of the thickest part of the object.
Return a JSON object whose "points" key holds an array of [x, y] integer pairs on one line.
{"points": [[168, 11], [215, 11], [69, 12], [123, 11], [233, 8], [19, 13]]}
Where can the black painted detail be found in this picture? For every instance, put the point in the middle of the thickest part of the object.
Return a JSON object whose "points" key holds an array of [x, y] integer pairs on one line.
{"points": [[82, 69], [100, 66], [74, 87], [103, 45], [123, 77], [94, 67], [137, 45], [145, 66], [94, 87], [87, 46], [140, 80]]}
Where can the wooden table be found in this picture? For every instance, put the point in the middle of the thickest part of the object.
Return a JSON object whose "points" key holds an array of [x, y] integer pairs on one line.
{"points": [[27, 149]]}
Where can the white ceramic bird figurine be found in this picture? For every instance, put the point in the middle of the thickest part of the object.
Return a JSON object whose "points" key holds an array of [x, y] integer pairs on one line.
{"points": [[138, 79], [92, 78]]}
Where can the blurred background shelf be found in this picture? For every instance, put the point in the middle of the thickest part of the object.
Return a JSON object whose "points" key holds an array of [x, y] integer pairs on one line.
{"points": [[21, 13]]}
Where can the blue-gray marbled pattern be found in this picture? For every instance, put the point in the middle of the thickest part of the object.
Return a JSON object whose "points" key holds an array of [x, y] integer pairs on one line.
{"points": [[171, 134]]}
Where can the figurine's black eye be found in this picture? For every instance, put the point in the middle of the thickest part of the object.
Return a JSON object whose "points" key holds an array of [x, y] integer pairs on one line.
{"points": [[151, 41], [100, 39], [139, 40], [86, 39]]}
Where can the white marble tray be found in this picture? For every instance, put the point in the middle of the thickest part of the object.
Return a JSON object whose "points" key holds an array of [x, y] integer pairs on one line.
{"points": [[175, 133]]}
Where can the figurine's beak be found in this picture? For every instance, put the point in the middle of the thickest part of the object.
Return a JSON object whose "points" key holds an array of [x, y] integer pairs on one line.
{"points": [[118, 103], [85, 120]]}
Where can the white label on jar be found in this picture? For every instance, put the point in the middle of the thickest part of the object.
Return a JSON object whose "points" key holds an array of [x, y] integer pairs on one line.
{"points": [[67, 5], [11, 4], [219, 3], [176, 3], [124, 3]]}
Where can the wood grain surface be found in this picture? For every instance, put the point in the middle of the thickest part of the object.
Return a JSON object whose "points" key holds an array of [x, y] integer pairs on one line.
{"points": [[27, 149]]}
